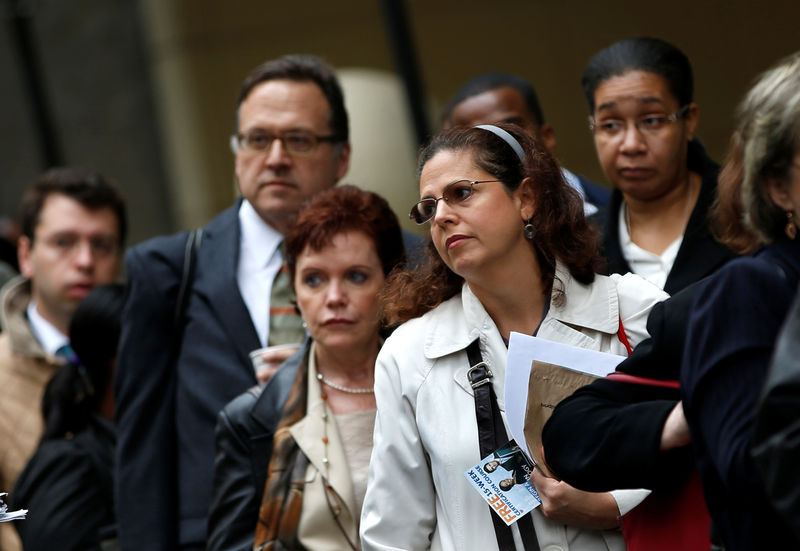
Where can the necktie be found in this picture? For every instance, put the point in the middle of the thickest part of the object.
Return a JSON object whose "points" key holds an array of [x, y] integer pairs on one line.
{"points": [[285, 324], [66, 352]]}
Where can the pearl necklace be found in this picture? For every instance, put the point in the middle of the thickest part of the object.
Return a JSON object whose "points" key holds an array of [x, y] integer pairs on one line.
{"points": [[331, 384]]}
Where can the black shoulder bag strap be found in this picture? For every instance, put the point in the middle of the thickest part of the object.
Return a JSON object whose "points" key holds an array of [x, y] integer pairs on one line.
{"points": [[492, 435], [189, 262]]}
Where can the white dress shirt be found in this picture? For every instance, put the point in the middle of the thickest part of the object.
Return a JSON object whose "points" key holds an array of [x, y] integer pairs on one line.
{"points": [[654, 268], [260, 259], [45, 332]]}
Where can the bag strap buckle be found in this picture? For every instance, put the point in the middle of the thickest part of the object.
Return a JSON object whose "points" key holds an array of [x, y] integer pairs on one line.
{"points": [[479, 375]]}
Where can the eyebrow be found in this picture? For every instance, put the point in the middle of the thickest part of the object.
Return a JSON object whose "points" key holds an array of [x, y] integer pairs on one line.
{"points": [[258, 128], [515, 119], [646, 100], [433, 196]]}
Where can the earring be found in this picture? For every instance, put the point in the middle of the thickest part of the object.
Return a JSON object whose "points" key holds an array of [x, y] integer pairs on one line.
{"points": [[529, 230], [791, 229], [305, 325]]}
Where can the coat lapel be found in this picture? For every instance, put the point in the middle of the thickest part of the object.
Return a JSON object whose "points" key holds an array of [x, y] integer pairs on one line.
{"points": [[217, 261], [699, 254], [308, 434]]}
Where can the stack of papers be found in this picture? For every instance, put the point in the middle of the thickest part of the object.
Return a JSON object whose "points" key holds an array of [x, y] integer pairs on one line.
{"points": [[8, 516], [523, 351]]}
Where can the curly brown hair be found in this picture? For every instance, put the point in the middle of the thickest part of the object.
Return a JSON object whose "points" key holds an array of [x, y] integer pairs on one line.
{"points": [[561, 229]]}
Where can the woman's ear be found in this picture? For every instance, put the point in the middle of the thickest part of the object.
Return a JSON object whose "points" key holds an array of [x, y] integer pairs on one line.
{"points": [[779, 194], [527, 199]]}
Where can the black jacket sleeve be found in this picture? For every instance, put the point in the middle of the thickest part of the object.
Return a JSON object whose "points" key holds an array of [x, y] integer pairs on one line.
{"points": [[239, 477], [144, 387], [67, 503], [244, 436], [607, 435]]}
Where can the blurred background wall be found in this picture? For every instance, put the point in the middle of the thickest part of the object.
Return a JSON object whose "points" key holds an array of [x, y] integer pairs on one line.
{"points": [[144, 90]]}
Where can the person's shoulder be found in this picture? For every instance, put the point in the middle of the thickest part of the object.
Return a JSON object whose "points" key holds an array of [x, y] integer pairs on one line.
{"points": [[167, 249], [172, 247], [744, 272], [746, 288], [595, 193], [237, 412], [225, 220], [52, 460], [416, 346], [634, 287], [421, 326], [402, 337]]}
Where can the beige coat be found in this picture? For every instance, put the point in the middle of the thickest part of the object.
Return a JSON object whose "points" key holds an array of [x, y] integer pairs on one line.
{"points": [[25, 370], [317, 529]]}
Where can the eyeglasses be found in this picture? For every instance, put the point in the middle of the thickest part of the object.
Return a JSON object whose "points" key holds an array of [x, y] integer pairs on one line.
{"points": [[648, 125], [454, 194], [296, 142]]}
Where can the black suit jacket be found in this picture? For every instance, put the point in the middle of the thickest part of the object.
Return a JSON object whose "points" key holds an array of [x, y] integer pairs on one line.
{"points": [[595, 193], [699, 254], [167, 408]]}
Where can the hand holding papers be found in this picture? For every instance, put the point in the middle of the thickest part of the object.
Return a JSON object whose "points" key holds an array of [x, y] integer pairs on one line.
{"points": [[539, 374], [5, 515]]}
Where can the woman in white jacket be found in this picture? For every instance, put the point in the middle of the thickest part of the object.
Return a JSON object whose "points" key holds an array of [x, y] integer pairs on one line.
{"points": [[510, 251]]}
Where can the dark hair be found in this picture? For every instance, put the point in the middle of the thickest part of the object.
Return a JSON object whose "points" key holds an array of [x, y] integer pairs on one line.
{"points": [[764, 142], [342, 209], [91, 189], [74, 393], [492, 81], [651, 55], [562, 231], [302, 68]]}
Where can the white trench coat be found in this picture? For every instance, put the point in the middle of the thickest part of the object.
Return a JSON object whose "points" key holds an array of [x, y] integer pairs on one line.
{"points": [[426, 433]]}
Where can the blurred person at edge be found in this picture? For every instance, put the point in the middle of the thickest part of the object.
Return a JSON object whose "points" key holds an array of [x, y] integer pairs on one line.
{"points": [[315, 416], [510, 251], [739, 311], [67, 484], [73, 228], [643, 121], [492, 98]]}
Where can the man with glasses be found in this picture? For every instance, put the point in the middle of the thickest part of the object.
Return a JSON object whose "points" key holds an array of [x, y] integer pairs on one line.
{"points": [[291, 142], [73, 228]]}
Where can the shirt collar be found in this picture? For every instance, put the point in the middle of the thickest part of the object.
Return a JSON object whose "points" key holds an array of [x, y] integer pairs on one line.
{"points": [[45, 332], [259, 239], [462, 319]]}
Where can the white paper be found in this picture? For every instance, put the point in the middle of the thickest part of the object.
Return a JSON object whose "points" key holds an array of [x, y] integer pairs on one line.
{"points": [[8, 516], [522, 351]]}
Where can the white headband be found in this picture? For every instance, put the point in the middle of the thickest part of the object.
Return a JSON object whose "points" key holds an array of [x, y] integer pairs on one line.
{"points": [[506, 137]]}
